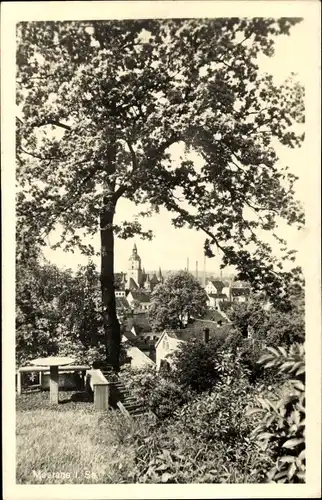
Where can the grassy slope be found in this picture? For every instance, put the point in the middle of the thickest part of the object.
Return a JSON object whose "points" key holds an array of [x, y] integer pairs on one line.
{"points": [[71, 438]]}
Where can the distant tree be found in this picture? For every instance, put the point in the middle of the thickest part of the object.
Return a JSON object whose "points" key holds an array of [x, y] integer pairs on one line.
{"points": [[57, 312], [120, 94], [273, 326], [179, 298], [248, 316]]}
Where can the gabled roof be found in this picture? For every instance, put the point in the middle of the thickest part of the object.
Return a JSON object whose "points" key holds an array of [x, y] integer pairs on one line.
{"points": [[142, 344], [122, 303], [218, 295], [141, 296], [140, 322], [196, 330], [133, 285], [219, 285], [238, 292], [154, 280]]}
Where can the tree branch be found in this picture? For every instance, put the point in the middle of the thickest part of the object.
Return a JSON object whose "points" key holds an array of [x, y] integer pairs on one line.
{"points": [[55, 123]]}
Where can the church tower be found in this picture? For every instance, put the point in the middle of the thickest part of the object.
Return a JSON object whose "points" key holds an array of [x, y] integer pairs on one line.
{"points": [[134, 270]]}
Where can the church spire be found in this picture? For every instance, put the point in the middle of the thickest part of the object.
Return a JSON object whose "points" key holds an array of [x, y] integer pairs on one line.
{"points": [[160, 274]]}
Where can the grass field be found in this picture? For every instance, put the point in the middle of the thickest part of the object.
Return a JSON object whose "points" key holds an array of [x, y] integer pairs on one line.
{"points": [[69, 443]]}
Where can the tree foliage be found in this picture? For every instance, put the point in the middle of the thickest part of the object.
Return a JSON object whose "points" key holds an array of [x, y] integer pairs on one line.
{"points": [[176, 300], [120, 94], [260, 320]]}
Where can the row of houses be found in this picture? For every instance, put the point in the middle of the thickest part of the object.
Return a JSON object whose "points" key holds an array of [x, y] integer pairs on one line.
{"points": [[133, 296], [134, 288], [138, 300], [219, 291], [137, 335]]}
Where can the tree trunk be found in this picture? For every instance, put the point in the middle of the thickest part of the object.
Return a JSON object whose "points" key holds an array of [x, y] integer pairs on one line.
{"points": [[110, 321]]}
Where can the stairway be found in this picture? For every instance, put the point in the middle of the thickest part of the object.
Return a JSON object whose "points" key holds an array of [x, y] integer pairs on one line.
{"points": [[120, 394]]}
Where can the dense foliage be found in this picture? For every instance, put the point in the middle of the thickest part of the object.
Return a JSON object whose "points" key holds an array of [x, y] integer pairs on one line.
{"points": [[197, 365], [57, 312], [260, 320], [281, 428], [175, 301], [158, 394], [101, 104], [235, 425]]}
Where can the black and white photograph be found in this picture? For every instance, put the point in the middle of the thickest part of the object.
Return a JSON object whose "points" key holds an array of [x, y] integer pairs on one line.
{"points": [[164, 183]]}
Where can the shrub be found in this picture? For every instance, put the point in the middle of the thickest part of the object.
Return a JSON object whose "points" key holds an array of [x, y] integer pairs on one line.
{"points": [[281, 428], [195, 365], [218, 417], [160, 395], [169, 453]]}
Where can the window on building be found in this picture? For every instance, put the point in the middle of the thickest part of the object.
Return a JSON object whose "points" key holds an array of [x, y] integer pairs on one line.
{"points": [[165, 345]]}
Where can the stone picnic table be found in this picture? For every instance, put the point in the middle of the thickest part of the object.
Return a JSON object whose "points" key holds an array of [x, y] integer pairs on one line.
{"points": [[53, 362]]}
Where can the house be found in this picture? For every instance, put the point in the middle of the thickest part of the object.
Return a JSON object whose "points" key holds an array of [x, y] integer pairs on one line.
{"points": [[139, 300], [214, 299], [170, 340], [214, 287], [138, 332], [122, 303], [239, 294], [138, 354], [138, 324]]}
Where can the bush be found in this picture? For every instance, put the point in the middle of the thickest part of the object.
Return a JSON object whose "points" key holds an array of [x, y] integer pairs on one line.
{"points": [[195, 365], [158, 394], [169, 453], [219, 417], [281, 427]]}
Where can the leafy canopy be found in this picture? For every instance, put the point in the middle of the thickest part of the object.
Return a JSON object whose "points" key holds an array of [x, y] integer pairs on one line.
{"points": [[102, 102], [176, 300]]}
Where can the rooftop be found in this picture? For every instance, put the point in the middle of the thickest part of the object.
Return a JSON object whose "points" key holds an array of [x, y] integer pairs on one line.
{"points": [[140, 322], [122, 303], [141, 296], [197, 329], [218, 295], [238, 292]]}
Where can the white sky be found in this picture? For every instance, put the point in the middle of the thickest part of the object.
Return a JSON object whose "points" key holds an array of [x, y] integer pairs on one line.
{"points": [[171, 247]]}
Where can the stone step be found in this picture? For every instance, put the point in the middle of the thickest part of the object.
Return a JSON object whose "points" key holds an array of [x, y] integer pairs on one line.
{"points": [[132, 407], [138, 412], [119, 386]]}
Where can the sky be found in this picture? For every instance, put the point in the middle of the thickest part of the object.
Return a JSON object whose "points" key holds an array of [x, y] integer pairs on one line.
{"points": [[171, 247]]}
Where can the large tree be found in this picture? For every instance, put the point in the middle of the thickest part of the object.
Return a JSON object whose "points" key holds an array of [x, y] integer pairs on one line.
{"points": [[102, 102], [175, 301]]}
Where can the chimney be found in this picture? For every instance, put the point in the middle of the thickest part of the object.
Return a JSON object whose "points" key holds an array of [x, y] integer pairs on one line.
{"points": [[188, 264], [206, 335]]}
